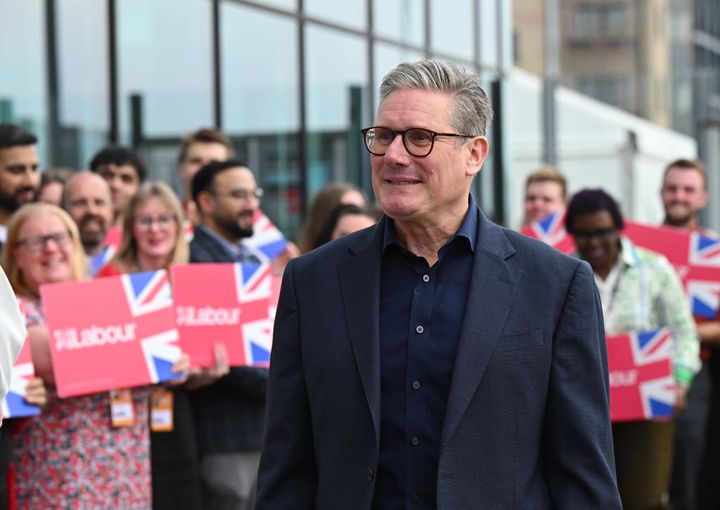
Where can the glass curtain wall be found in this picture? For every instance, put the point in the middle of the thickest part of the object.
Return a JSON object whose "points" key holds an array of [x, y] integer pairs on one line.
{"points": [[290, 82]]}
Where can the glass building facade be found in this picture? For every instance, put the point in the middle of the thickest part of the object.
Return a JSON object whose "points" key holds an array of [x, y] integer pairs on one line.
{"points": [[290, 81]]}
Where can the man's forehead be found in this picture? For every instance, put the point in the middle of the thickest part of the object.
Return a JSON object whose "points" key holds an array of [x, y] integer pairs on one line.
{"points": [[544, 188], [19, 152], [124, 169], [87, 184], [686, 176], [199, 149]]}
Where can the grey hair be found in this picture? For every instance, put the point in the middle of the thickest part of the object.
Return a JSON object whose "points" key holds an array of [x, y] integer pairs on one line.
{"points": [[470, 111]]}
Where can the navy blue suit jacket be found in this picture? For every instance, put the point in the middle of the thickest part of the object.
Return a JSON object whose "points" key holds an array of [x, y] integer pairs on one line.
{"points": [[527, 421]]}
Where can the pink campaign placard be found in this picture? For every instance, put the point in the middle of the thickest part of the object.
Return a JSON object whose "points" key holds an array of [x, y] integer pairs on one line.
{"points": [[224, 303], [641, 380], [111, 333], [694, 255]]}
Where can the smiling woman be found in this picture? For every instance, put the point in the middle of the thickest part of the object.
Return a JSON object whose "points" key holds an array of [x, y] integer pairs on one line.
{"points": [[639, 291], [70, 456]]}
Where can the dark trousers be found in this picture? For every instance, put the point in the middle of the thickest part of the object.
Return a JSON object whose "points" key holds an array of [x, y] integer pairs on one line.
{"points": [[689, 443], [175, 464], [643, 459]]}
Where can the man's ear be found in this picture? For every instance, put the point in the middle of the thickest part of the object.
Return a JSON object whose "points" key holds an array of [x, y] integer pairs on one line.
{"points": [[477, 151], [205, 202]]}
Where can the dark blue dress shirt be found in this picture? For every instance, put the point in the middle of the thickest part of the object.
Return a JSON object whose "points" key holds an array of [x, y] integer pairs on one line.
{"points": [[421, 314]]}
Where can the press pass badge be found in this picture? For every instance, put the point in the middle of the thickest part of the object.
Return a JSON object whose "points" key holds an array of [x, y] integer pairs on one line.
{"points": [[121, 408], [161, 410]]}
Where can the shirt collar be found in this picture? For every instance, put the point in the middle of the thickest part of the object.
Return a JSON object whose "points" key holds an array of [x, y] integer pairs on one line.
{"points": [[232, 248], [468, 228]]}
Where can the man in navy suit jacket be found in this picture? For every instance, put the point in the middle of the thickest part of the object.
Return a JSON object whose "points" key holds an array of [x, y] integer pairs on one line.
{"points": [[436, 360]]}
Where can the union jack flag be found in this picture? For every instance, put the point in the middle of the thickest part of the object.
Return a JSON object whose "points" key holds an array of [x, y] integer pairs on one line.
{"points": [[255, 289], [14, 404], [551, 230], [101, 259], [267, 241], [696, 258], [641, 380], [161, 352], [146, 293]]}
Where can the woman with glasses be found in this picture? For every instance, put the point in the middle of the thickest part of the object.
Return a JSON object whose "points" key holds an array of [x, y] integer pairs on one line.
{"points": [[70, 456], [639, 291], [153, 239]]}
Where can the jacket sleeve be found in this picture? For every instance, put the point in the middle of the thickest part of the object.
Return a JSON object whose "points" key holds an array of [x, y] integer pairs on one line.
{"points": [[577, 438], [247, 382], [12, 332], [287, 478]]}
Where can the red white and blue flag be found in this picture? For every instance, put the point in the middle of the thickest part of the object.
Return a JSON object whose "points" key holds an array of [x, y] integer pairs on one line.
{"points": [[14, 404], [695, 256], [642, 386], [551, 230], [237, 313], [111, 333], [267, 241]]}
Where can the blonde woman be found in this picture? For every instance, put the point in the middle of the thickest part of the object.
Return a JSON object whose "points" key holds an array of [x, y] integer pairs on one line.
{"points": [[153, 239]]}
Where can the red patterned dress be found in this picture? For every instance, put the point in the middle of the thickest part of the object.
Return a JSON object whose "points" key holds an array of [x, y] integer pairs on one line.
{"points": [[71, 456]]}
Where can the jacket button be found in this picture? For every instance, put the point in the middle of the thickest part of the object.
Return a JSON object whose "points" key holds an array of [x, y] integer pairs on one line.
{"points": [[370, 475]]}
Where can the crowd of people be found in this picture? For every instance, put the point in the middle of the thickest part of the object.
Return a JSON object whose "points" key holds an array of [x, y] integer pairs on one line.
{"points": [[328, 430], [64, 225]]}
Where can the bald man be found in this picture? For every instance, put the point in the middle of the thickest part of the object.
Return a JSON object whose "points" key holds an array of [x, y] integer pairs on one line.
{"points": [[88, 200]]}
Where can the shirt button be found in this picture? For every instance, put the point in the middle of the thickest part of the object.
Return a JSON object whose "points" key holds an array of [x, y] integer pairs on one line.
{"points": [[415, 441], [419, 330], [370, 475], [426, 278], [416, 385]]}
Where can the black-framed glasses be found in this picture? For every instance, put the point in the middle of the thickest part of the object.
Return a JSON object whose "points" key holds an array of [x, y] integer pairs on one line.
{"points": [[37, 243], [419, 142], [601, 233], [145, 222]]}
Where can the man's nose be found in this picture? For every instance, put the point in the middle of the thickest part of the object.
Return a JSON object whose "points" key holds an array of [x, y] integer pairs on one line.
{"points": [[396, 151]]}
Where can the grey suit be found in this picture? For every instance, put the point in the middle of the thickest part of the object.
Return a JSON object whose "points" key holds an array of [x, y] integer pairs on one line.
{"points": [[527, 421]]}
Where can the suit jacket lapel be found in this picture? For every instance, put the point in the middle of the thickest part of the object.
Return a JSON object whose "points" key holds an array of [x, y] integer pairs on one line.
{"points": [[490, 296], [360, 283]]}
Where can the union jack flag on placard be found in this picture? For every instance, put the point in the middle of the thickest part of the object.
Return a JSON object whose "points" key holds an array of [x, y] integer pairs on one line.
{"points": [[695, 256], [254, 287], [14, 404], [146, 293], [267, 241], [642, 386], [551, 230]]}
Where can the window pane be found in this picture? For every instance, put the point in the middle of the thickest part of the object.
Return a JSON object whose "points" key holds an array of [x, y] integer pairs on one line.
{"points": [[399, 19], [164, 57], [260, 104], [23, 91], [452, 27], [336, 106], [84, 103], [386, 58], [489, 33], [348, 12]]}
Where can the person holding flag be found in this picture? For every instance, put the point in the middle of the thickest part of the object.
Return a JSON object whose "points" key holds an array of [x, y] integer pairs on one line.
{"points": [[639, 291]]}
